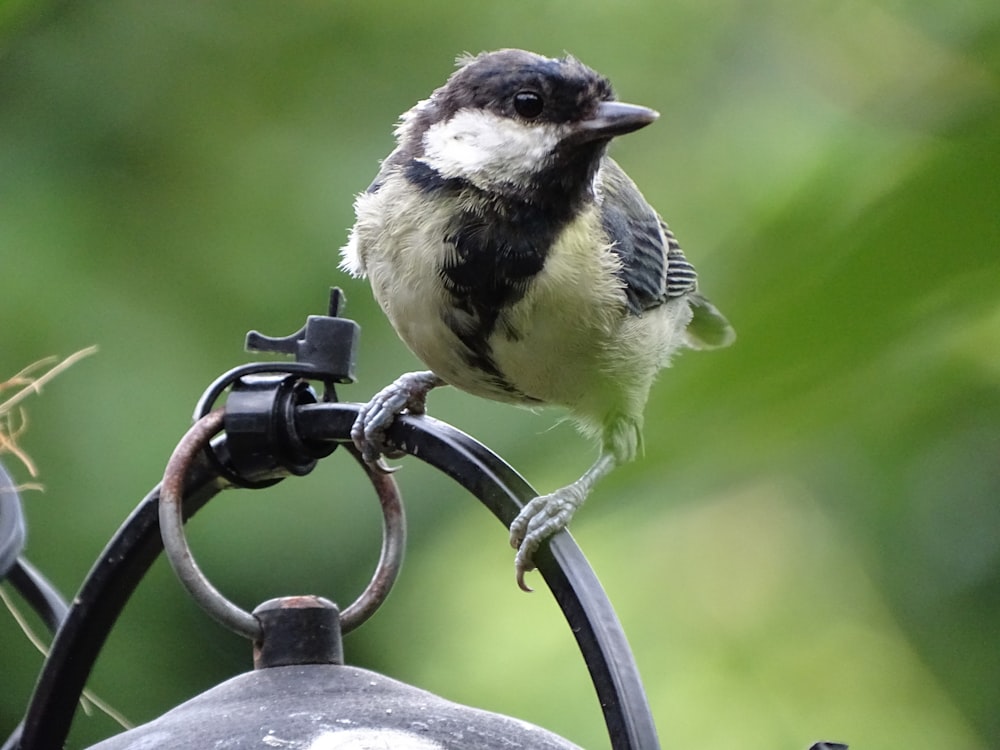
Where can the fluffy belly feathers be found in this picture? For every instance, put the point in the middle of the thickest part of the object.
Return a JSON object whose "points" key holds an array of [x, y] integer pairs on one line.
{"points": [[568, 341]]}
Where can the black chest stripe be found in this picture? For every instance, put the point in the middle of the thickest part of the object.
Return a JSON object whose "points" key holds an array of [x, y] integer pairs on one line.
{"points": [[496, 247], [494, 256]]}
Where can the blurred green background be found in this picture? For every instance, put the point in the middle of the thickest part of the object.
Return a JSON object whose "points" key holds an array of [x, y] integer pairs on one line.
{"points": [[809, 549]]}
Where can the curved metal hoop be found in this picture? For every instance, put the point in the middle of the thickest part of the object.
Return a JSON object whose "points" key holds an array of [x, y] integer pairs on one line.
{"points": [[171, 514], [130, 553], [565, 570]]}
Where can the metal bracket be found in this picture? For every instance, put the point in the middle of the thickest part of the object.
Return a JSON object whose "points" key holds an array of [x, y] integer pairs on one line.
{"points": [[328, 343]]}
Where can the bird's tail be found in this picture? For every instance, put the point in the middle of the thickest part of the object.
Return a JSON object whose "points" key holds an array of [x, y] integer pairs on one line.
{"points": [[708, 328]]}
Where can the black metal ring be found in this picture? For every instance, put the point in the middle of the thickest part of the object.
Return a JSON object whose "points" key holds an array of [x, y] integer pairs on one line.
{"points": [[171, 514], [219, 385], [206, 403]]}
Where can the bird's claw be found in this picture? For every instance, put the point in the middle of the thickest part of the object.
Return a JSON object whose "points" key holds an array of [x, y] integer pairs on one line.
{"points": [[368, 433], [538, 520], [382, 467]]}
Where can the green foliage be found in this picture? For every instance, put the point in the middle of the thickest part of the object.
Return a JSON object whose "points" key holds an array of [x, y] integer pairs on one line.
{"points": [[808, 549]]}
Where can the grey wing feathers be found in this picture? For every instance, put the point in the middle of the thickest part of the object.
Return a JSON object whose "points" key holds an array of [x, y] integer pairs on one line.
{"points": [[392, 162], [654, 268], [681, 277]]}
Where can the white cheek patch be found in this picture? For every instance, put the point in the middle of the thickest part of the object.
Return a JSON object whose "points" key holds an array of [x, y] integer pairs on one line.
{"points": [[486, 149]]}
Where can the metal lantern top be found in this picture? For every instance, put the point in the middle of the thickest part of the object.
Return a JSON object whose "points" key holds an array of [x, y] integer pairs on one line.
{"points": [[300, 694], [302, 697], [316, 707]]}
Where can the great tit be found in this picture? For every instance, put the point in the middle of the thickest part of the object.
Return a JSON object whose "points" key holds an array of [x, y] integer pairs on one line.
{"points": [[520, 263]]}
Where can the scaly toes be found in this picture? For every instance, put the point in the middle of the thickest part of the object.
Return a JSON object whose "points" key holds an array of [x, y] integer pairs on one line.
{"points": [[519, 526], [368, 430], [538, 520], [406, 393]]}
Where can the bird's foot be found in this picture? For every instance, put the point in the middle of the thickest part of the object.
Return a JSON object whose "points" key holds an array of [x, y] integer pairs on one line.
{"points": [[540, 519], [408, 393]]}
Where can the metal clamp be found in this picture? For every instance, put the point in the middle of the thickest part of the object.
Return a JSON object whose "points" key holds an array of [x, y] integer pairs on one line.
{"points": [[171, 514]]}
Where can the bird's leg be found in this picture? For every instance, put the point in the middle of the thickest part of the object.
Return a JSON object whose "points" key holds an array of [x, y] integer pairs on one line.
{"points": [[548, 514], [407, 393]]}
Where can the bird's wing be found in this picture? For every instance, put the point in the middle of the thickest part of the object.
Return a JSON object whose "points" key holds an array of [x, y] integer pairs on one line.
{"points": [[393, 161], [653, 266]]}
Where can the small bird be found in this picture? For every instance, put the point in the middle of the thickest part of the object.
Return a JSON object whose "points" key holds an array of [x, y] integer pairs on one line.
{"points": [[521, 264]]}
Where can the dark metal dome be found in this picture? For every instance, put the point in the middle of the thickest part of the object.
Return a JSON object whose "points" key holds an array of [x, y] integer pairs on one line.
{"points": [[329, 707]]}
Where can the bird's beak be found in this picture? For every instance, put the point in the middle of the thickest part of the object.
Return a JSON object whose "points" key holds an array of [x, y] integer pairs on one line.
{"points": [[613, 118]]}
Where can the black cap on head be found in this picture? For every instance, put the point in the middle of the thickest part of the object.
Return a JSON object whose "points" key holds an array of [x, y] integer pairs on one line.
{"points": [[517, 83]]}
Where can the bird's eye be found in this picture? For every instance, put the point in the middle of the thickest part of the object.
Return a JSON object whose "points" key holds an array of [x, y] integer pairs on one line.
{"points": [[528, 104]]}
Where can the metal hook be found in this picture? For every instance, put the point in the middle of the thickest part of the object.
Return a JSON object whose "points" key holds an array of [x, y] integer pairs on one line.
{"points": [[171, 514]]}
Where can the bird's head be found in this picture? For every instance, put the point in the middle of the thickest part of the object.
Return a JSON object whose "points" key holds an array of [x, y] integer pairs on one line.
{"points": [[514, 122]]}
